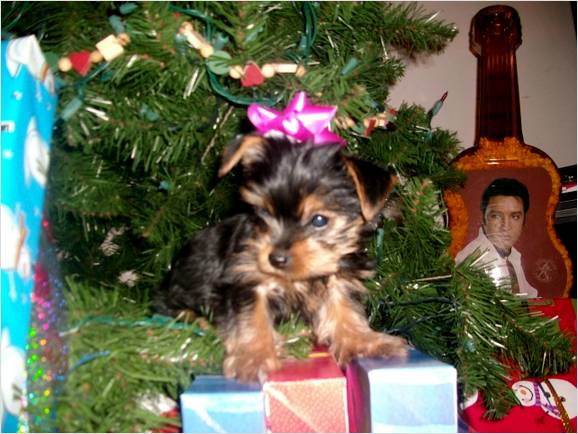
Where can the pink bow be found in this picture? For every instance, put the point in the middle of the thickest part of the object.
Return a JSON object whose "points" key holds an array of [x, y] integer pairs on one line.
{"points": [[300, 120]]}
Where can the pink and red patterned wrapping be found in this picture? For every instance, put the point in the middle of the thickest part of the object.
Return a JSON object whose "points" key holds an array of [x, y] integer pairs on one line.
{"points": [[307, 396], [538, 412]]}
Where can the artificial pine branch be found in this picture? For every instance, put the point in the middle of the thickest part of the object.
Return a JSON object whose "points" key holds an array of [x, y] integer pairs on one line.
{"points": [[120, 357]]}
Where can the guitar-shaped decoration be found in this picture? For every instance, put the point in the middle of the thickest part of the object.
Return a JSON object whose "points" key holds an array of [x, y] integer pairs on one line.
{"points": [[504, 212]]}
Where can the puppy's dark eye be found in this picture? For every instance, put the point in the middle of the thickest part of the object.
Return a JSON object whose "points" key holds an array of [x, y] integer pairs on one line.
{"points": [[319, 221]]}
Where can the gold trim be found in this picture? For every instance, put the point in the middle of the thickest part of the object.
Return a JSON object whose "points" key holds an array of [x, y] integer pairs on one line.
{"points": [[509, 153]]}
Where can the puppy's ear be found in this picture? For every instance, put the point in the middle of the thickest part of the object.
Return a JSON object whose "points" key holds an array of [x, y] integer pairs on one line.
{"points": [[248, 149], [373, 184]]}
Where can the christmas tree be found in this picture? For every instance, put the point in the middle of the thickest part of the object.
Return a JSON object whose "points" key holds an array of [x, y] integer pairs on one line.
{"points": [[133, 175]]}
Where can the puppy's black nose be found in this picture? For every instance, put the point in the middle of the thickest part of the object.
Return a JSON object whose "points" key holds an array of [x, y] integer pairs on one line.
{"points": [[279, 259]]}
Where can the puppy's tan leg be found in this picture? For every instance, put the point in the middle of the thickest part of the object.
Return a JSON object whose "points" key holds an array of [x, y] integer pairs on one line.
{"points": [[250, 343], [341, 323]]}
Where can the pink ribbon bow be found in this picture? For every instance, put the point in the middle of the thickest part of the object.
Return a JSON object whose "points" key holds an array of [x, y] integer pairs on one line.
{"points": [[300, 120]]}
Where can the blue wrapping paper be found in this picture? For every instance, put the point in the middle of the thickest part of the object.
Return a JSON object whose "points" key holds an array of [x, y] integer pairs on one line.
{"points": [[28, 107], [415, 395], [216, 404]]}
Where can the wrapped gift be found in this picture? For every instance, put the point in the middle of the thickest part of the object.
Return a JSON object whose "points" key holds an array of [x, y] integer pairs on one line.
{"points": [[418, 394], [539, 409], [306, 396], [28, 107], [217, 404]]}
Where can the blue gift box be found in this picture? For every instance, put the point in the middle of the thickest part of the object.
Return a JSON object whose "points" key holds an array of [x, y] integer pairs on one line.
{"points": [[217, 404], [418, 394], [28, 108]]}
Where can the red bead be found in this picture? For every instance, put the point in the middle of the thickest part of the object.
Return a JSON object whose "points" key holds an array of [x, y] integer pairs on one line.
{"points": [[81, 62], [252, 76]]}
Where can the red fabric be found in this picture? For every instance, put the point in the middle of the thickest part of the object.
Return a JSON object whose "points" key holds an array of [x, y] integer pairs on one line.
{"points": [[306, 396], [80, 62], [534, 418], [252, 76], [169, 427]]}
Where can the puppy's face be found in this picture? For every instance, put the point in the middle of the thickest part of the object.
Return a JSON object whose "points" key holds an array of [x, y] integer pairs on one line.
{"points": [[313, 204]]}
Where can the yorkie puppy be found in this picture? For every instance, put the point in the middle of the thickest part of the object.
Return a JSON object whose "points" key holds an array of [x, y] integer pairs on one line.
{"points": [[301, 249]]}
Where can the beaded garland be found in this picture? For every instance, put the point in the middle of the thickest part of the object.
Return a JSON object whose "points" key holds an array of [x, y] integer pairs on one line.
{"points": [[108, 49], [113, 46], [268, 70], [218, 63]]}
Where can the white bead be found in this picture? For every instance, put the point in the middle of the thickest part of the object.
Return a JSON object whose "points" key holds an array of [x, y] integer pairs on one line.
{"points": [[268, 70], [64, 64], [110, 47], [286, 68], [236, 72], [206, 51]]}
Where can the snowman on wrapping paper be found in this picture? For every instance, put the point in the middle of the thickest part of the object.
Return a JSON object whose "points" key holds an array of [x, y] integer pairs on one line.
{"points": [[532, 393], [15, 254], [538, 394], [36, 156], [20, 53], [27, 51], [12, 377]]}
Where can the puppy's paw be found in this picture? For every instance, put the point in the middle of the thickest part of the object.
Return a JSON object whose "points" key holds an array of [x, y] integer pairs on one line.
{"points": [[371, 344], [248, 368], [383, 345]]}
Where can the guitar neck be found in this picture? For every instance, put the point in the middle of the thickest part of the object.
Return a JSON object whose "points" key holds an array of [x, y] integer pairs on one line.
{"points": [[496, 34]]}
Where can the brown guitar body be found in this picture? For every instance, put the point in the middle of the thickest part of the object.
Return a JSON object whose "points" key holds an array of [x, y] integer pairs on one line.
{"points": [[500, 152]]}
